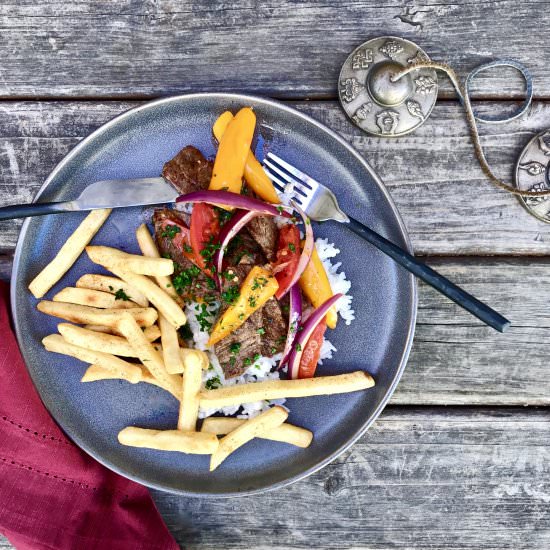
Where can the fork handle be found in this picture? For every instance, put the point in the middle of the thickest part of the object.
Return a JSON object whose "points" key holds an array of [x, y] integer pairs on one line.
{"points": [[430, 276]]}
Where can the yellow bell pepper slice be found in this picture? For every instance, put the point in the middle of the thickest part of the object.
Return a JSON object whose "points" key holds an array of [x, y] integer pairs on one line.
{"points": [[254, 174], [258, 287], [233, 151], [316, 286]]}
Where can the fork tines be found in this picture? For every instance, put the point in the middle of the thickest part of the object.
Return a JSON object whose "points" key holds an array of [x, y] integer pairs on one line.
{"points": [[289, 179]]}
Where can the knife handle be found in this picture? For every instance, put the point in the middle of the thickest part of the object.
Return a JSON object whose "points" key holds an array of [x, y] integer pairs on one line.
{"points": [[35, 209]]}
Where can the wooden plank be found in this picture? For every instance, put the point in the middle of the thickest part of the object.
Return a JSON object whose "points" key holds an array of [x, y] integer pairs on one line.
{"points": [[422, 479], [455, 360], [449, 208], [274, 47], [419, 479]]}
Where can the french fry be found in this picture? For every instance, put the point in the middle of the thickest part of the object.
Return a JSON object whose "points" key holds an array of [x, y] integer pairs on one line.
{"points": [[106, 283], [255, 427], [86, 315], [197, 355], [169, 440], [57, 344], [286, 433], [96, 341], [94, 298], [69, 252], [112, 257], [173, 360], [95, 373], [149, 248], [156, 295], [152, 333], [147, 354], [189, 406], [278, 389]]}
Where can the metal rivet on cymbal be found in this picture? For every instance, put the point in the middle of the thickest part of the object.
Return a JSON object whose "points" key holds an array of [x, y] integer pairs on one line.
{"points": [[373, 101], [532, 175]]}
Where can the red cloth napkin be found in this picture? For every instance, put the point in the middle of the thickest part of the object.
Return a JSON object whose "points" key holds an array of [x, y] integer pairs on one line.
{"points": [[52, 494]]}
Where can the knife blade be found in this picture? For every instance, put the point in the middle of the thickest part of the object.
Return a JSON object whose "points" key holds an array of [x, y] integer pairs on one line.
{"points": [[101, 194]]}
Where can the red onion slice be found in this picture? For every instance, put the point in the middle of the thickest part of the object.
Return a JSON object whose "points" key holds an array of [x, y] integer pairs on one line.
{"points": [[229, 230], [294, 320], [233, 200], [306, 251], [303, 336]]}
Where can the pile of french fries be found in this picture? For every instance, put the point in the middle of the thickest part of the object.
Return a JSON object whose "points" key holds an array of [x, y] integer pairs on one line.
{"points": [[115, 324]]}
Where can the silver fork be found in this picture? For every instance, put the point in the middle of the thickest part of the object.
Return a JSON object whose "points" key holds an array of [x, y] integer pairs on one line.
{"points": [[320, 204]]}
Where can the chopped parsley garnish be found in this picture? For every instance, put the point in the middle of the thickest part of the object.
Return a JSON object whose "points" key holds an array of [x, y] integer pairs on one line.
{"points": [[210, 248], [202, 318], [252, 301], [247, 361], [232, 360], [259, 282], [261, 331], [291, 247], [185, 278], [281, 339], [241, 316], [273, 351], [111, 288], [286, 308], [187, 248], [213, 383], [121, 295], [167, 256], [223, 215], [298, 347], [170, 231], [256, 356], [235, 347], [210, 283], [231, 295], [280, 209]]}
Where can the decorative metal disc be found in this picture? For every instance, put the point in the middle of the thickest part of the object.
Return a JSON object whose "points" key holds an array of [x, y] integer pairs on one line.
{"points": [[375, 103], [532, 174]]}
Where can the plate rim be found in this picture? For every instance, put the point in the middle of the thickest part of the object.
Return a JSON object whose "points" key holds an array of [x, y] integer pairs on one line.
{"points": [[413, 310]]}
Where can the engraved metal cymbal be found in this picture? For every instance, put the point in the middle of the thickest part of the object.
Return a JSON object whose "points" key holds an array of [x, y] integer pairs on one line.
{"points": [[376, 104], [532, 174]]}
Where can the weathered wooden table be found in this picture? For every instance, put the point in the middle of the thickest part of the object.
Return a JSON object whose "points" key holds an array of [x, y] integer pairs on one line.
{"points": [[460, 458]]}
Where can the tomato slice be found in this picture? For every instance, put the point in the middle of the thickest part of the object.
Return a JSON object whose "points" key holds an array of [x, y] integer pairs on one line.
{"points": [[180, 239], [203, 235], [312, 351], [288, 256]]}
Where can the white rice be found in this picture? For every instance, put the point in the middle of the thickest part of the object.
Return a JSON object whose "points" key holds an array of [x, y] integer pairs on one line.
{"points": [[263, 367]]}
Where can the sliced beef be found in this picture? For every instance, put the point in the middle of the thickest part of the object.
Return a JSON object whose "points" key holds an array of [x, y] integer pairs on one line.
{"points": [[189, 281], [188, 171], [275, 326], [236, 352], [243, 249], [264, 231]]}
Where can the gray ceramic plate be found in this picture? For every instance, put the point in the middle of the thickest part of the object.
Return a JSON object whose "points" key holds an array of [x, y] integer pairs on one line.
{"points": [[136, 144]]}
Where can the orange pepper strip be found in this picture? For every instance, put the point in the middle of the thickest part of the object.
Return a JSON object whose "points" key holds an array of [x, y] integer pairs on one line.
{"points": [[233, 151], [258, 287], [316, 286], [254, 174]]}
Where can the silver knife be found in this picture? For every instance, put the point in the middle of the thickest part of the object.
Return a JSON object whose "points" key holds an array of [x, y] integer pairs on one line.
{"points": [[101, 194]]}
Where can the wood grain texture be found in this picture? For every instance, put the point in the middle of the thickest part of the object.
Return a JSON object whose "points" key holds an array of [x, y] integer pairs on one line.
{"points": [[281, 48], [419, 479], [456, 360], [445, 200]]}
